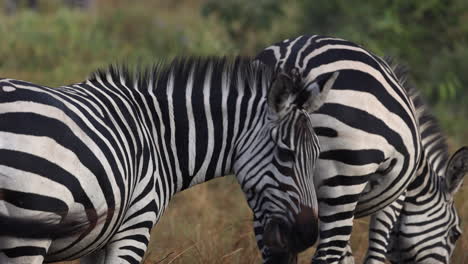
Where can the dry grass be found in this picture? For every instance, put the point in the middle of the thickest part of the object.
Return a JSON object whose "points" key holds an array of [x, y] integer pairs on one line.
{"points": [[211, 224]]}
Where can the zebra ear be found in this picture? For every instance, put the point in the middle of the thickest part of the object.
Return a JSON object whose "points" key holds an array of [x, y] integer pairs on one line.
{"points": [[280, 93], [315, 93], [456, 170]]}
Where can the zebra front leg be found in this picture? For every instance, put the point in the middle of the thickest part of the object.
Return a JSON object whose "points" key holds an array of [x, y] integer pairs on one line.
{"points": [[378, 242], [129, 244], [127, 247], [347, 257], [333, 242], [383, 225], [20, 251], [119, 253], [337, 205]]}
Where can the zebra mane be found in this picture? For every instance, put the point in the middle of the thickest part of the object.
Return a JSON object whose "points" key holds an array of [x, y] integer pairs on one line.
{"points": [[144, 76], [428, 125]]}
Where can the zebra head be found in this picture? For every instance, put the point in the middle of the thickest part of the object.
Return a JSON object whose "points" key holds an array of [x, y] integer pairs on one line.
{"points": [[430, 225], [276, 163]]}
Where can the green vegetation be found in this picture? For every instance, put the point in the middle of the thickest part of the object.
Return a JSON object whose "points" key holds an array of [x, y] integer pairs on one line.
{"points": [[428, 36], [60, 46]]}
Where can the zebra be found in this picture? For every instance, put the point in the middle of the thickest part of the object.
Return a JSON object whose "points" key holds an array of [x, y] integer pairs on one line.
{"points": [[86, 170], [368, 128], [422, 226]]}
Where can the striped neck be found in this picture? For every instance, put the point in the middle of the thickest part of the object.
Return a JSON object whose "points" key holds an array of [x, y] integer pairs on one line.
{"points": [[201, 110]]}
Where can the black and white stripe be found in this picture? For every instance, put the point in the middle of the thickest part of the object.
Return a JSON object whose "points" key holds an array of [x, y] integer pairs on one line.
{"points": [[368, 131], [422, 226], [86, 170]]}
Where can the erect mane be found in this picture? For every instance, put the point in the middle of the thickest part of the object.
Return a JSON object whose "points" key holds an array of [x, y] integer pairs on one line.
{"points": [[428, 124], [181, 66]]}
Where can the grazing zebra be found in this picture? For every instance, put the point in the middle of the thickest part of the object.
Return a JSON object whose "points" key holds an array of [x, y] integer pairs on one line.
{"points": [[86, 170], [427, 225], [368, 127]]}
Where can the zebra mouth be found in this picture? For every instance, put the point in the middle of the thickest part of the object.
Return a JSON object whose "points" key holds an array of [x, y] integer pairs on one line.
{"points": [[280, 238], [276, 236]]}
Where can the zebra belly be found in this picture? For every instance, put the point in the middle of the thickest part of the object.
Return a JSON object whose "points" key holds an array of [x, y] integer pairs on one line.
{"points": [[75, 247]]}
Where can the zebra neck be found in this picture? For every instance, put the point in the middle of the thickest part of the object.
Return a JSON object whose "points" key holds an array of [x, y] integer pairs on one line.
{"points": [[202, 123]]}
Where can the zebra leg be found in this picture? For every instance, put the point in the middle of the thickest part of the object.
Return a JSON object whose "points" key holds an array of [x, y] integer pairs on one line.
{"points": [[383, 224], [347, 257], [336, 213], [119, 252], [378, 239], [21, 251], [130, 242], [333, 243]]}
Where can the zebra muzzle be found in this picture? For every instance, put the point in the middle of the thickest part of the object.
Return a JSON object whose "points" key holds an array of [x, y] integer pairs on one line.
{"points": [[276, 236], [282, 237], [305, 229]]}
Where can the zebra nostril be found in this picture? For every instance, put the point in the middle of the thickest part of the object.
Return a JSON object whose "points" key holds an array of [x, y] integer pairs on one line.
{"points": [[279, 238]]}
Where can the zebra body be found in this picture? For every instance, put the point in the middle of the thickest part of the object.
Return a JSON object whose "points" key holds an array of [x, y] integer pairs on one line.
{"points": [[422, 226], [368, 132], [86, 170]]}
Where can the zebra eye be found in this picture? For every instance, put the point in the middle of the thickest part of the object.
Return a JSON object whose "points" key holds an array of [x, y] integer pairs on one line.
{"points": [[454, 235], [286, 154]]}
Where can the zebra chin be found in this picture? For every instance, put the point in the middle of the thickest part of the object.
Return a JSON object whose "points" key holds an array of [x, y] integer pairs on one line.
{"points": [[281, 237]]}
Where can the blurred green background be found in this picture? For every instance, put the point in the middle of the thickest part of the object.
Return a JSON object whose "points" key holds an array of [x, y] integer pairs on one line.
{"points": [[56, 45]]}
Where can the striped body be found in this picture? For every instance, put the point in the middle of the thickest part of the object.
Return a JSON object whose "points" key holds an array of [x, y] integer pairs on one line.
{"points": [[368, 131], [422, 226], [86, 170]]}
